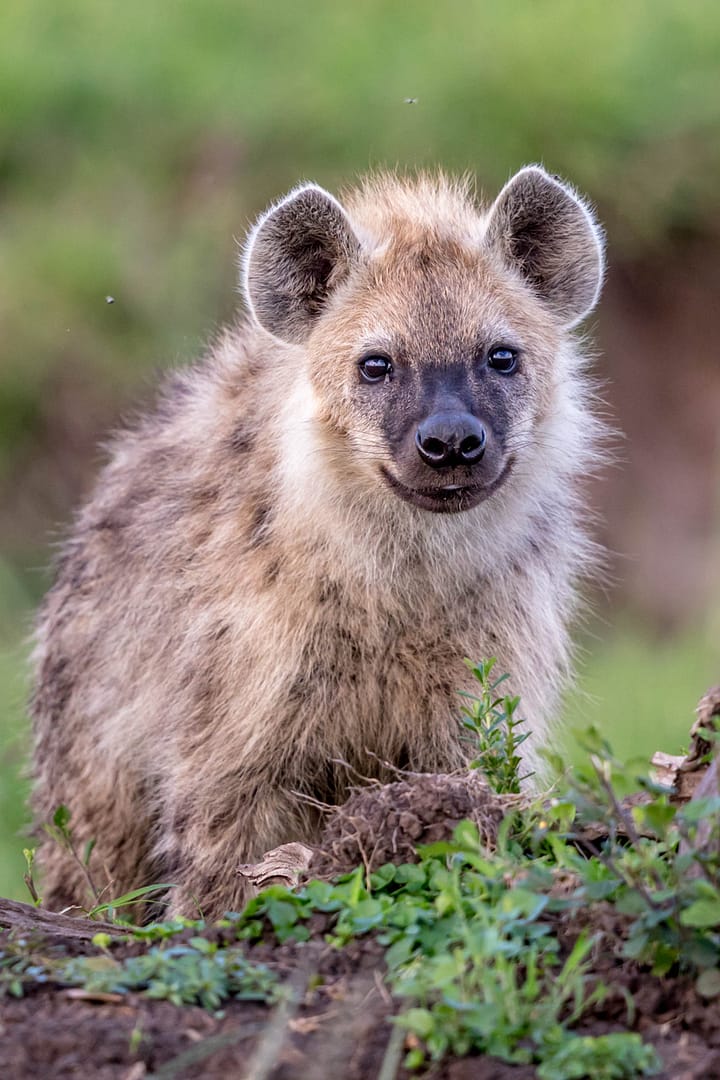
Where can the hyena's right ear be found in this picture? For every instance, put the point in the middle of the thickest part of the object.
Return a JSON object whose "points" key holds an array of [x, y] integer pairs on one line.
{"points": [[298, 252]]}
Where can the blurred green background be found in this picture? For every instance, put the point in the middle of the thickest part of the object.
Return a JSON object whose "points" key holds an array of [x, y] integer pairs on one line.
{"points": [[137, 141]]}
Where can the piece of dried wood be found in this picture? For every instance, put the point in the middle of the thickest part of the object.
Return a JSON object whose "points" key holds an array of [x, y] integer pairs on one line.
{"points": [[707, 710], [99, 997], [281, 866], [27, 919], [706, 835], [688, 775]]}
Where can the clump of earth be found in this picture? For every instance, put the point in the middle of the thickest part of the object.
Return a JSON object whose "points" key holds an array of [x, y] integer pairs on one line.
{"points": [[384, 823]]}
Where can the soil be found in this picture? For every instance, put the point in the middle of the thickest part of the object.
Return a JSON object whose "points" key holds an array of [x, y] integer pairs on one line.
{"points": [[339, 1022], [340, 1029], [384, 823]]}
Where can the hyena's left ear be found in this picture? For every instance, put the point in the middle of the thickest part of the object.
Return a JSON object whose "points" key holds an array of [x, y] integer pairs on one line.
{"points": [[544, 230], [298, 252]]}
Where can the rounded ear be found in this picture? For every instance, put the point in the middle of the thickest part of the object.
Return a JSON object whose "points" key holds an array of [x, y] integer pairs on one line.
{"points": [[299, 251], [542, 228]]}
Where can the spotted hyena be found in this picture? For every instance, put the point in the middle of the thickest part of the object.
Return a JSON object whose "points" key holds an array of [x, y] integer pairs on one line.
{"points": [[372, 476]]}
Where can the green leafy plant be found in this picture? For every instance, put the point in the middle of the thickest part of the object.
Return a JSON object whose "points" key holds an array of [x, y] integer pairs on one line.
{"points": [[28, 876], [59, 830], [470, 945], [18, 968], [658, 873], [492, 719], [618, 1056], [199, 972]]}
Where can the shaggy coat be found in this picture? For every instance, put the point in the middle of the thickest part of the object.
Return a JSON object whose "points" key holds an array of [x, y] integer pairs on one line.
{"points": [[269, 579]]}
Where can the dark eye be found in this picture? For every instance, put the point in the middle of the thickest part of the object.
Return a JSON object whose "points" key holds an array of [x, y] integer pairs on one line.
{"points": [[373, 369], [503, 359]]}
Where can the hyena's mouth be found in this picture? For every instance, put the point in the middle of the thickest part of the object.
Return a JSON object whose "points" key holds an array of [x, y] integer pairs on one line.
{"points": [[447, 499]]}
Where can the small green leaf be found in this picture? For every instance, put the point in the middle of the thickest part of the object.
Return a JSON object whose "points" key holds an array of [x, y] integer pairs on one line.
{"points": [[701, 809], [420, 1021], [466, 835], [410, 874], [282, 914], [414, 1059], [708, 984], [383, 875], [703, 914], [656, 816], [522, 904], [130, 898]]}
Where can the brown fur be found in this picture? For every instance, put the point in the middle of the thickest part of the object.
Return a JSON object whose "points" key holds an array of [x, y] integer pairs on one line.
{"points": [[244, 601]]}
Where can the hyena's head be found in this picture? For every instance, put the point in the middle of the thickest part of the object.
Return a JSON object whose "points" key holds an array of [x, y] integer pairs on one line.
{"points": [[432, 332]]}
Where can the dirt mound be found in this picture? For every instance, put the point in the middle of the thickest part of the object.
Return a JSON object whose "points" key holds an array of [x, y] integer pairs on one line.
{"points": [[385, 822]]}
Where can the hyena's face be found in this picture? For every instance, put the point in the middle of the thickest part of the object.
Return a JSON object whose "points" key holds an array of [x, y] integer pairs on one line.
{"points": [[432, 351], [436, 369]]}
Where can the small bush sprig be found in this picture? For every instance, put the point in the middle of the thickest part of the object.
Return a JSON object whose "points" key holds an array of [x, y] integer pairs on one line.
{"points": [[492, 719], [59, 830]]}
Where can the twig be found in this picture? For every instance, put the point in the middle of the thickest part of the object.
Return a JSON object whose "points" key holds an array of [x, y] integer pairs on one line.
{"points": [[370, 780], [627, 821], [392, 1055], [382, 988], [273, 1037], [204, 1049], [311, 800], [612, 865]]}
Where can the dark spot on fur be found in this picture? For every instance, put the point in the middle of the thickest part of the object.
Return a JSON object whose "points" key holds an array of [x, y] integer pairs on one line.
{"points": [[241, 440], [298, 690], [350, 645], [326, 781], [271, 572], [73, 570], [202, 497], [403, 760], [180, 822], [53, 689], [260, 525], [328, 591], [109, 523]]}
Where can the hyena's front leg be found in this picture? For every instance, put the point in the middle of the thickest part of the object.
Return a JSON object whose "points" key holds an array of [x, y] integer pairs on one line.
{"points": [[202, 856]]}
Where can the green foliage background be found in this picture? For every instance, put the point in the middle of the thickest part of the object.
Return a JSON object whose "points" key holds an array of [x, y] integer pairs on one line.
{"points": [[137, 141]]}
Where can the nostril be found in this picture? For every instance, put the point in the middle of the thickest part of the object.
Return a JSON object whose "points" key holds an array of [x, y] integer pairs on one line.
{"points": [[435, 448], [472, 447], [432, 449]]}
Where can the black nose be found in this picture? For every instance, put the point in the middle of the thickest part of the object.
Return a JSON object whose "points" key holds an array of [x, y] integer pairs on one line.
{"points": [[450, 438]]}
